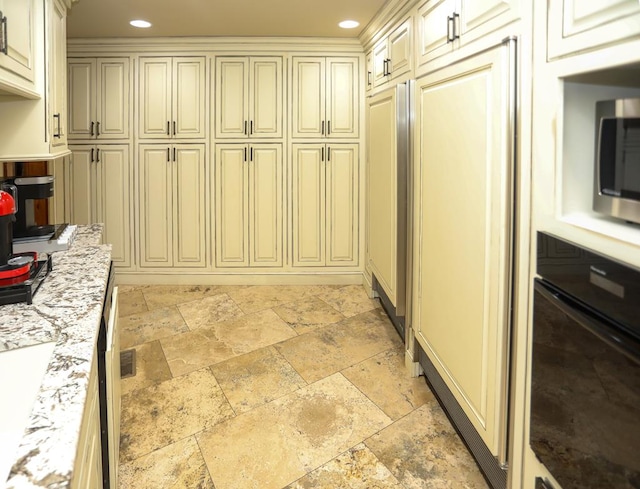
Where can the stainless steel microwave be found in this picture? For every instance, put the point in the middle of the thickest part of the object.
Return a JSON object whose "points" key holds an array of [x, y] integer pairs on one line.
{"points": [[617, 168]]}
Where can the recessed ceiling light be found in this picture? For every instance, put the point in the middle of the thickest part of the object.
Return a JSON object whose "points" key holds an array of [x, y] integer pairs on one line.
{"points": [[140, 23], [349, 24]]}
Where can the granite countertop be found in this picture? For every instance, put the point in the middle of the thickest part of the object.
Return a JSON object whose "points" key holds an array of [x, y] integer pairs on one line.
{"points": [[66, 309]]}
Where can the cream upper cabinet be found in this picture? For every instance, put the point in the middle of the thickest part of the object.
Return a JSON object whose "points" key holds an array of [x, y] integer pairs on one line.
{"points": [[462, 245], [582, 25], [325, 97], [171, 98], [248, 93], [444, 25], [58, 74], [392, 56], [325, 205], [99, 98], [171, 205], [99, 189], [17, 29], [249, 205]]}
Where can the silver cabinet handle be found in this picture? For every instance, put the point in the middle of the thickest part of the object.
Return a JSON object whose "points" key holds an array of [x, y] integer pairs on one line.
{"points": [[168, 128], [92, 124], [57, 134], [97, 155], [97, 129], [4, 45], [456, 22], [174, 128]]}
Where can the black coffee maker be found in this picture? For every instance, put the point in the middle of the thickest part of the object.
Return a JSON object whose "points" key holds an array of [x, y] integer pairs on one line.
{"points": [[7, 218], [30, 190]]}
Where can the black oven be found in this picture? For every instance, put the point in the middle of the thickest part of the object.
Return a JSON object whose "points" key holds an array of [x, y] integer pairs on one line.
{"points": [[585, 389]]}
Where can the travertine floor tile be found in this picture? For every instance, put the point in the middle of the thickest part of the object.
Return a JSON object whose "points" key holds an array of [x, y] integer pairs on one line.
{"points": [[256, 378], [308, 314], [349, 300], [327, 350], [170, 295], [275, 444], [148, 326], [179, 465], [211, 309], [215, 343], [357, 468], [260, 297], [385, 380], [423, 451], [156, 416], [130, 301], [151, 368]]}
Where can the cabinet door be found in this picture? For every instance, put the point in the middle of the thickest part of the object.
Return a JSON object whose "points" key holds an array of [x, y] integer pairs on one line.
{"points": [[20, 28], [308, 97], [342, 98], [232, 95], [265, 205], [189, 98], [400, 53], [462, 244], [112, 117], [188, 206], [342, 204], [308, 203], [82, 98], [266, 98], [581, 25], [58, 74], [434, 29], [380, 59], [154, 108], [81, 182], [59, 208], [232, 205], [114, 207], [155, 206], [477, 18]]}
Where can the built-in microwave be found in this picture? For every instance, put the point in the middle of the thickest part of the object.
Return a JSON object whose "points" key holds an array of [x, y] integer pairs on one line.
{"points": [[617, 159]]}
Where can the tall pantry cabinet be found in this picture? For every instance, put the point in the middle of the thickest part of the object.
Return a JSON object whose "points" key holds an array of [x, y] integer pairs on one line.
{"points": [[99, 171]]}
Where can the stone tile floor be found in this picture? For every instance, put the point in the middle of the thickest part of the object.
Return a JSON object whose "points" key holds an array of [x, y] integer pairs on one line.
{"points": [[272, 387]]}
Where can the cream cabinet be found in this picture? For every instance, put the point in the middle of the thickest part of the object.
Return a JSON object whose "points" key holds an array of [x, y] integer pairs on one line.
{"points": [[99, 98], [445, 25], [248, 94], [392, 56], [325, 205], [325, 97], [58, 74], [17, 43], [171, 205], [582, 25], [99, 186], [172, 99], [87, 469], [462, 245], [249, 205]]}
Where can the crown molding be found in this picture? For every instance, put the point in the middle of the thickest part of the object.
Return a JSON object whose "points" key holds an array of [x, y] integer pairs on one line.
{"points": [[382, 21]]}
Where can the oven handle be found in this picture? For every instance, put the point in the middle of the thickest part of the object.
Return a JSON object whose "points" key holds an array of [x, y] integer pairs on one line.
{"points": [[589, 319]]}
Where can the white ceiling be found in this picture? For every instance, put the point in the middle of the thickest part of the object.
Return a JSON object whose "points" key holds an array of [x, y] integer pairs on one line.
{"points": [[280, 18]]}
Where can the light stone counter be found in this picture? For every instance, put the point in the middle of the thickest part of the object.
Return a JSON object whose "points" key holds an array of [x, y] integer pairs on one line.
{"points": [[66, 309]]}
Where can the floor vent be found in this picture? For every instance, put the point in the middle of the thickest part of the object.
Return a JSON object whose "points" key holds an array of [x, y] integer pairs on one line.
{"points": [[127, 363]]}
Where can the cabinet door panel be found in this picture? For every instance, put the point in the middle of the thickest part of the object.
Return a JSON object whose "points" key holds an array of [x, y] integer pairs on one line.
{"points": [[20, 16], [231, 97], [188, 210], [154, 109], [113, 102], [81, 166], [308, 97], [308, 205], [265, 205], [380, 57], [231, 205], [114, 206], [58, 70], [400, 43], [479, 18], [266, 97], [342, 204], [433, 29], [342, 96], [156, 216], [188, 101], [462, 244], [82, 98]]}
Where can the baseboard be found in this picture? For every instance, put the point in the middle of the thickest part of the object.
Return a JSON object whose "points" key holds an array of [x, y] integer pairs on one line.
{"points": [[256, 278]]}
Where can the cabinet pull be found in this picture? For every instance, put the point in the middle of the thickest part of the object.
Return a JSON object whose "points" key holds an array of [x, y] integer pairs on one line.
{"points": [[97, 129], [322, 154], [245, 154], [251, 154], [92, 158], [92, 124], [449, 22], [97, 155], [174, 153], [168, 128], [245, 128], [456, 22], [388, 60], [168, 155], [57, 133], [369, 78], [250, 128], [4, 46], [328, 128], [322, 128], [174, 128], [328, 153]]}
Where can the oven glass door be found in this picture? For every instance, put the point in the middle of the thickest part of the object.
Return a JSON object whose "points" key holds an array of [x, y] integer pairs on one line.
{"points": [[585, 395]]}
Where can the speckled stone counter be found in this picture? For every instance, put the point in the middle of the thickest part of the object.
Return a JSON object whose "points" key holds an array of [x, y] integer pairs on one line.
{"points": [[66, 309]]}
